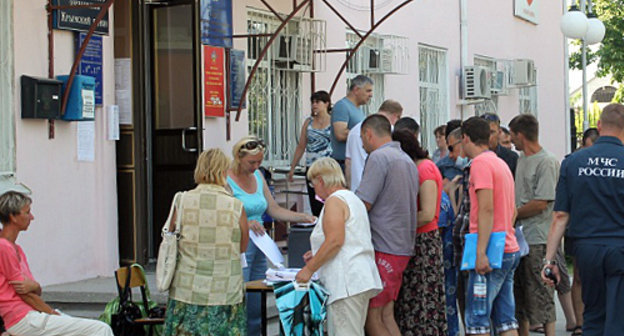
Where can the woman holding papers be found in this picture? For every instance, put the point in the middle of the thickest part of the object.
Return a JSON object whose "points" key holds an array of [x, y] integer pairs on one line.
{"points": [[342, 251], [206, 294], [248, 185]]}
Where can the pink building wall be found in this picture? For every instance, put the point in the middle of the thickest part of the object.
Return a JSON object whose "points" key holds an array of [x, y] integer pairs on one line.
{"points": [[74, 234]]}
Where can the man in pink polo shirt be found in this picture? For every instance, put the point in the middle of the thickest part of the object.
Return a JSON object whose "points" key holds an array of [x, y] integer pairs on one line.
{"points": [[491, 190]]}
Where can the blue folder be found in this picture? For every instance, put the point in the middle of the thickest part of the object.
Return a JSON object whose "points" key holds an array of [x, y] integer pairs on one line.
{"points": [[495, 250]]}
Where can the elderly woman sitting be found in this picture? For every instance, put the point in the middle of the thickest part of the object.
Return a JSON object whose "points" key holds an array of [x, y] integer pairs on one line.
{"points": [[342, 251], [21, 307]]}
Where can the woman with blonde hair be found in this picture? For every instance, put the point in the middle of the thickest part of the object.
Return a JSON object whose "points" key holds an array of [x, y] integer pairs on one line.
{"points": [[206, 294], [248, 185], [342, 251]]}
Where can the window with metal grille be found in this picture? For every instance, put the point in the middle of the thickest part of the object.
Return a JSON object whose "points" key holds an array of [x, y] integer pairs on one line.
{"points": [[527, 98], [7, 115], [274, 99], [434, 96], [364, 62]]}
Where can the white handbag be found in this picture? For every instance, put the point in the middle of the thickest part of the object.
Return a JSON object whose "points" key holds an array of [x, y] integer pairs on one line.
{"points": [[168, 250]]}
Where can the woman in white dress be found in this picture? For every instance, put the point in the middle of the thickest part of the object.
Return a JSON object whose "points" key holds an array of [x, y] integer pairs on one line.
{"points": [[342, 251]]}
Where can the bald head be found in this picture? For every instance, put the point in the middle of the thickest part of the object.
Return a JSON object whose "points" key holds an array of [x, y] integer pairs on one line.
{"points": [[612, 117]]}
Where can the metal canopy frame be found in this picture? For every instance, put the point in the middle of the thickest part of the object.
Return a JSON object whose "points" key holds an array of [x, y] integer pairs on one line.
{"points": [[296, 8]]}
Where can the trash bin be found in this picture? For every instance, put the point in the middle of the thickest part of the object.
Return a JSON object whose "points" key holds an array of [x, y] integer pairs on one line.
{"points": [[298, 245]]}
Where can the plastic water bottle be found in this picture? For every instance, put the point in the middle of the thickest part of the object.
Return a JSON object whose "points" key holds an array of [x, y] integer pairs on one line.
{"points": [[479, 295]]}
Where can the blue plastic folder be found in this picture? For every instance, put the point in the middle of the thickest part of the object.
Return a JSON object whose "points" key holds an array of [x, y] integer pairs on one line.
{"points": [[495, 250]]}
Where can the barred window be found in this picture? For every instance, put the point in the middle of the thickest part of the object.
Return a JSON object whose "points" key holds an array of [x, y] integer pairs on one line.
{"points": [[274, 99], [434, 96]]}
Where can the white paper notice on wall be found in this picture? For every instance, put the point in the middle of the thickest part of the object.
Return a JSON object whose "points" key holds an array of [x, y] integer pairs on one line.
{"points": [[85, 131], [112, 115], [88, 104], [123, 89]]}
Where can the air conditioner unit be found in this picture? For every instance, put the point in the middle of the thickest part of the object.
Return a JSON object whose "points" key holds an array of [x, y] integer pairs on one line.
{"points": [[499, 81], [524, 72], [477, 82]]}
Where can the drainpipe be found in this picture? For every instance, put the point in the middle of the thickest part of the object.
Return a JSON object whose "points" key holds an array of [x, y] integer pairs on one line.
{"points": [[463, 42], [566, 87]]}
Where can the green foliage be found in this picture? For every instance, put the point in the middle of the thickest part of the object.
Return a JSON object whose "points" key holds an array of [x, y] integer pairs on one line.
{"points": [[611, 51]]}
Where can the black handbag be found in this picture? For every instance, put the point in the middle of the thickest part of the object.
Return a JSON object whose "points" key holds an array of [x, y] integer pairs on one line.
{"points": [[122, 322]]}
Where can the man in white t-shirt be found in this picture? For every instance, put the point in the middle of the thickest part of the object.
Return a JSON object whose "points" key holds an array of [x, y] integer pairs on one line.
{"points": [[355, 156]]}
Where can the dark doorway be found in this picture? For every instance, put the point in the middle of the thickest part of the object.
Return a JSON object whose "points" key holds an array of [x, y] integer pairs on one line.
{"points": [[173, 107]]}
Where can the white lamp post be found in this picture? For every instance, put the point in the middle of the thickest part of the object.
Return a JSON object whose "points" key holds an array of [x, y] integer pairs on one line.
{"points": [[575, 25]]}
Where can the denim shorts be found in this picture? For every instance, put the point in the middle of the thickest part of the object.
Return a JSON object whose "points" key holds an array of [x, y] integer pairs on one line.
{"points": [[500, 292]]}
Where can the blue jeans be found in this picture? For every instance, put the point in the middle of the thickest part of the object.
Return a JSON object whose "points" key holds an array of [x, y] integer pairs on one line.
{"points": [[601, 268], [501, 307], [255, 270]]}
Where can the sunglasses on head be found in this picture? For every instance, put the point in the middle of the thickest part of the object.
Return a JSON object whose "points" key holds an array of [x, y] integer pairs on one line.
{"points": [[491, 117], [253, 144]]}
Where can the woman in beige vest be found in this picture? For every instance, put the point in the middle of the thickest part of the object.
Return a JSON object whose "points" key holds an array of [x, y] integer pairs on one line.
{"points": [[206, 294]]}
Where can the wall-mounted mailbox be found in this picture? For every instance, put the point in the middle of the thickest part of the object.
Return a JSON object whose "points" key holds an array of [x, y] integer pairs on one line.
{"points": [[81, 100], [41, 98]]}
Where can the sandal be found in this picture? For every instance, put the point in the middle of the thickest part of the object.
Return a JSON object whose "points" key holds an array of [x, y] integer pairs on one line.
{"points": [[577, 331], [539, 330]]}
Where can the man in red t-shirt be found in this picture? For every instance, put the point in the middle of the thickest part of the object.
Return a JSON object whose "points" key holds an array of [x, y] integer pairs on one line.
{"points": [[492, 200]]}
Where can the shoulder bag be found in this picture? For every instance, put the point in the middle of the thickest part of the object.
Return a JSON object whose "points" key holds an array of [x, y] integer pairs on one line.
{"points": [[168, 250]]}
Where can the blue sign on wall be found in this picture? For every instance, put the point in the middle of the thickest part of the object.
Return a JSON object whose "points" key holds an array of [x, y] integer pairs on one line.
{"points": [[79, 19], [237, 77], [91, 63], [216, 23]]}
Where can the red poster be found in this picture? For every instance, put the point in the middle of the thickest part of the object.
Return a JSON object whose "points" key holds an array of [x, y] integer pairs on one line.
{"points": [[214, 81]]}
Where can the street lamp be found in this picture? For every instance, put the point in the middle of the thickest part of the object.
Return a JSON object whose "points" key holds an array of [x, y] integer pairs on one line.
{"points": [[576, 25]]}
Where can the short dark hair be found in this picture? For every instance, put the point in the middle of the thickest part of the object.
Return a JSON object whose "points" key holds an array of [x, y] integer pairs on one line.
{"points": [[477, 130], [613, 116], [450, 126], [526, 124], [409, 144], [378, 123], [590, 133], [407, 123], [322, 96], [440, 130]]}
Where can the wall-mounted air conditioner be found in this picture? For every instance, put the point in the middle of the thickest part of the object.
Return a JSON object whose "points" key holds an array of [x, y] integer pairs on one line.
{"points": [[499, 83], [477, 82], [524, 72]]}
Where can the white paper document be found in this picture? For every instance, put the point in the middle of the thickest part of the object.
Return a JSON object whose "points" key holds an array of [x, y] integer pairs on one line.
{"points": [[268, 247], [85, 140]]}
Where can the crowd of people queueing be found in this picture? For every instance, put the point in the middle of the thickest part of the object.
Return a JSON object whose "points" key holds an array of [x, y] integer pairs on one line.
{"points": [[390, 227]]}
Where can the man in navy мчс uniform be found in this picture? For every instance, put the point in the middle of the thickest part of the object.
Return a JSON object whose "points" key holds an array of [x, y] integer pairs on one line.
{"points": [[590, 196]]}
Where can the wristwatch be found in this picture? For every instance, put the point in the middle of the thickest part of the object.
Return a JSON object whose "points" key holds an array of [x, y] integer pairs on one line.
{"points": [[549, 262]]}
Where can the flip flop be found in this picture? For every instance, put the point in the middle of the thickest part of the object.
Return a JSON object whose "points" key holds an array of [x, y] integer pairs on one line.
{"points": [[577, 331], [539, 330]]}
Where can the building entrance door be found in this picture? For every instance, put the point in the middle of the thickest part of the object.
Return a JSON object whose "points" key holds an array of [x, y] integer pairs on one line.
{"points": [[173, 105]]}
